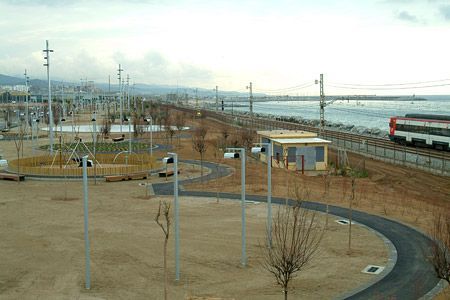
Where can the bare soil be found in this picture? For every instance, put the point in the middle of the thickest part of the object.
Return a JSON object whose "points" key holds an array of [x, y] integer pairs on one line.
{"points": [[42, 247], [408, 195]]}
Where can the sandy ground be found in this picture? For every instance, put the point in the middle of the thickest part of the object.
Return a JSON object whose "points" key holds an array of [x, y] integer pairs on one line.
{"points": [[404, 194], [42, 247]]}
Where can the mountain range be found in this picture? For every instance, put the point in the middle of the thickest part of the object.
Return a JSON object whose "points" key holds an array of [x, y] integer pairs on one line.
{"points": [[38, 85]]}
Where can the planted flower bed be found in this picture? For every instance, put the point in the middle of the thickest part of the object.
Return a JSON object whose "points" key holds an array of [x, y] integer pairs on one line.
{"points": [[102, 147]]}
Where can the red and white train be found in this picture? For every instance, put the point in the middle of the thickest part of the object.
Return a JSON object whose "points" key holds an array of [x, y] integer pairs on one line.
{"points": [[421, 130]]}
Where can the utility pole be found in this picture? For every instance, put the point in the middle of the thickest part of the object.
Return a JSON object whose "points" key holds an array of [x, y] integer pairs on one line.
{"points": [[26, 100], [322, 107], [120, 96], [128, 93], [196, 99], [250, 88], [134, 97], [108, 99], [217, 98], [64, 110], [50, 114]]}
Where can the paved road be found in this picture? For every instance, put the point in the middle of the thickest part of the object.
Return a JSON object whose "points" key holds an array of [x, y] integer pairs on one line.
{"points": [[410, 278]]}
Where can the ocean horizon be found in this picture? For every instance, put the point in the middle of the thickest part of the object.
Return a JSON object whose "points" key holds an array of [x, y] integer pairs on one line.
{"points": [[371, 114]]}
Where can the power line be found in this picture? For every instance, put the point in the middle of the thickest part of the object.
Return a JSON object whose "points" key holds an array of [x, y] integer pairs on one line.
{"points": [[391, 84], [392, 88], [360, 112], [296, 87]]}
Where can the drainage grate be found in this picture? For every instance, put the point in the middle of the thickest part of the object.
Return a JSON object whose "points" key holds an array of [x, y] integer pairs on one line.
{"points": [[371, 269]]}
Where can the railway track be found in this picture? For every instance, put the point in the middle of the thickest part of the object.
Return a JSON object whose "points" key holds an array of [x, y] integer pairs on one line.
{"points": [[434, 161]]}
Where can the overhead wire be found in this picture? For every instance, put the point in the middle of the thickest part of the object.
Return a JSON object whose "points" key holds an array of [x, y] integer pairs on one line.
{"points": [[296, 87], [360, 112], [387, 88], [391, 84]]}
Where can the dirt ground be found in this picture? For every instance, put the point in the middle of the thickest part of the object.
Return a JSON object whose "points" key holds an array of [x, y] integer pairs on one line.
{"points": [[404, 194], [42, 247]]}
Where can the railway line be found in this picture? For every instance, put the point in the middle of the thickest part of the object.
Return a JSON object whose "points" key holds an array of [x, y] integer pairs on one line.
{"points": [[431, 160]]}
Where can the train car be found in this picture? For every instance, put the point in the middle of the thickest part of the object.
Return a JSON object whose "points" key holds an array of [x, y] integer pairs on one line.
{"points": [[421, 130]]}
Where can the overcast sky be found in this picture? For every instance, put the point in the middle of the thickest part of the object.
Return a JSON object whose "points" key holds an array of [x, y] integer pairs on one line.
{"points": [[275, 44]]}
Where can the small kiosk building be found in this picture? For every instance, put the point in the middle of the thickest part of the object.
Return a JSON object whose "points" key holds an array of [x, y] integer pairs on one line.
{"points": [[296, 150]]}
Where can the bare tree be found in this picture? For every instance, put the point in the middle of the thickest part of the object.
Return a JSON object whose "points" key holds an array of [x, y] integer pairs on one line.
{"points": [[296, 236], [247, 138], [164, 209], [225, 131], [440, 246], [138, 130], [180, 123], [112, 115], [169, 128], [105, 129], [350, 213], [199, 143], [57, 114], [18, 141], [326, 194], [235, 140]]}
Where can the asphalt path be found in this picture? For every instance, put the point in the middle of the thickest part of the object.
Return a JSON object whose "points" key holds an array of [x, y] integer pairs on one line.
{"points": [[411, 277]]}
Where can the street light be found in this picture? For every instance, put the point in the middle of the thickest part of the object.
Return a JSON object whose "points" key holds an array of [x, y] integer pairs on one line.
{"points": [[129, 133], [94, 140], [173, 159], [267, 147], [232, 153], [150, 119], [34, 131], [73, 121], [87, 247], [94, 128]]}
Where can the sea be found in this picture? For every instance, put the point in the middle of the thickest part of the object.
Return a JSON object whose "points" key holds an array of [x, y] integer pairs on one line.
{"points": [[372, 114]]}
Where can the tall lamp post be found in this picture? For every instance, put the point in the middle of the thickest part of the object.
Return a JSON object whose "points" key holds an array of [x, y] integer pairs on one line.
{"points": [[34, 131], [26, 99], [129, 133], [94, 140], [47, 57], [87, 250], [173, 159], [267, 148], [150, 119], [232, 153]]}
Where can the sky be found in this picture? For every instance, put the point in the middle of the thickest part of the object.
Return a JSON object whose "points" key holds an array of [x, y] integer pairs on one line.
{"points": [[361, 46]]}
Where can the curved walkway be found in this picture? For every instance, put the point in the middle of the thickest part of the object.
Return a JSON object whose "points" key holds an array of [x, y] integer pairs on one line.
{"points": [[411, 277]]}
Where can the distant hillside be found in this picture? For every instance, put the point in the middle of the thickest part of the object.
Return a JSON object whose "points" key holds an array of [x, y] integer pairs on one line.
{"points": [[9, 80], [39, 85]]}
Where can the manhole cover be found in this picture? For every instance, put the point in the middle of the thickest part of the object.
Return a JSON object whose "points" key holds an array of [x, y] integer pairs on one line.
{"points": [[371, 269]]}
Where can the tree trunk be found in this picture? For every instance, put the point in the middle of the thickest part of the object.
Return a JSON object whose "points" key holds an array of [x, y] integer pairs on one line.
{"points": [[285, 294], [18, 166], [165, 269], [201, 168]]}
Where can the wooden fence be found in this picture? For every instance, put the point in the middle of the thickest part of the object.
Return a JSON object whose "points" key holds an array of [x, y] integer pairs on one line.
{"points": [[60, 165]]}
